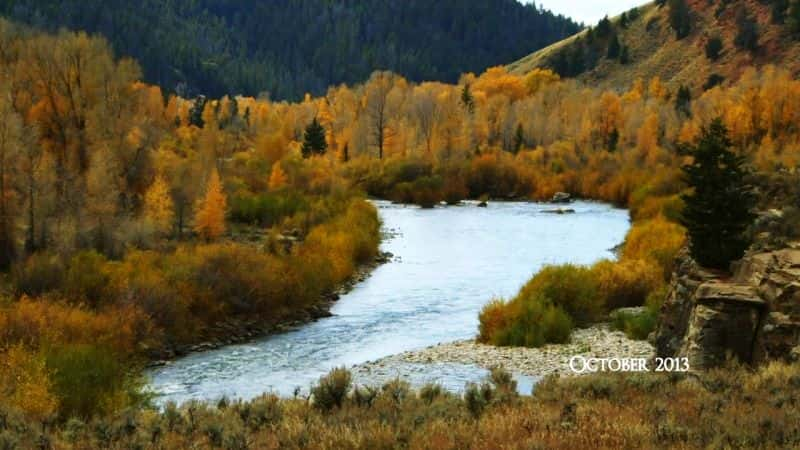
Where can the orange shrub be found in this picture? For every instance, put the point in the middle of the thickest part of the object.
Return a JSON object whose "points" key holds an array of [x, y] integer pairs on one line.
{"points": [[657, 239], [627, 282], [35, 323], [493, 318]]}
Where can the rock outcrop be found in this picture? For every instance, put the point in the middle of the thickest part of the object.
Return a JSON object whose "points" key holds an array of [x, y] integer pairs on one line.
{"points": [[753, 315]]}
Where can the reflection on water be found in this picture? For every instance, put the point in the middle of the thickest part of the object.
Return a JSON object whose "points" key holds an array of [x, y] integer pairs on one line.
{"points": [[449, 263]]}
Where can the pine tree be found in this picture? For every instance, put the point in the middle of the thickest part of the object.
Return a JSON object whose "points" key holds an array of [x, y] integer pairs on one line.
{"points": [[717, 211], [624, 55], [159, 208], [196, 112], [679, 18], [519, 139], [713, 48], [209, 220], [793, 17], [467, 100], [683, 101], [614, 47], [747, 35], [314, 140]]}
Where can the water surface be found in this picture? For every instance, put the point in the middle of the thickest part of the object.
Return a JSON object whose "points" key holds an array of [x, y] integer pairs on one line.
{"points": [[448, 263]]}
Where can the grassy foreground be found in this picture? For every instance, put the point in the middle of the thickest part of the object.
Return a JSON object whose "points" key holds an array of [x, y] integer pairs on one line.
{"points": [[727, 408]]}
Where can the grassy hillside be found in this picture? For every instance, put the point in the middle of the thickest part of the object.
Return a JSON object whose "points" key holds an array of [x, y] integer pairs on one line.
{"points": [[655, 50]]}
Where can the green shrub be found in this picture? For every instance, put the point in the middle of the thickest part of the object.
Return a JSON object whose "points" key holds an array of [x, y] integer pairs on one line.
{"points": [[332, 389], [266, 209], [570, 287], [90, 380], [533, 323], [635, 325]]}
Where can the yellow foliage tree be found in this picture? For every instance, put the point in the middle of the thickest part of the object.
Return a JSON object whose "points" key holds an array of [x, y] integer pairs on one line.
{"points": [[277, 178], [25, 384], [209, 220], [159, 209]]}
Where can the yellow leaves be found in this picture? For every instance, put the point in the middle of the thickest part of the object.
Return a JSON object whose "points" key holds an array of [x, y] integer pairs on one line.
{"points": [[537, 79], [656, 239], [497, 81], [656, 89], [159, 209], [277, 178], [648, 134], [25, 384], [209, 219]]}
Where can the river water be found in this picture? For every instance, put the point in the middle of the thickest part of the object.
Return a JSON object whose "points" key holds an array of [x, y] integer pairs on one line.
{"points": [[449, 261]]}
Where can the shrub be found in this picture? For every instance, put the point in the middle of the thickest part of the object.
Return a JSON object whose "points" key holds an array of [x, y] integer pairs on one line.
{"points": [[87, 278], [492, 318], [266, 209], [332, 389], [627, 282], [656, 239], [635, 325], [531, 322], [570, 287], [89, 379], [40, 273]]}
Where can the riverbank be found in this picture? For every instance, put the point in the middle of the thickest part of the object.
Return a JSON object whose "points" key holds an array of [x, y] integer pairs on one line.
{"points": [[238, 330], [597, 341]]}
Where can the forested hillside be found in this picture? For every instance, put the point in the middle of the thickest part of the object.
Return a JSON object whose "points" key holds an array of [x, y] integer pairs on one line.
{"points": [[290, 47], [695, 43]]}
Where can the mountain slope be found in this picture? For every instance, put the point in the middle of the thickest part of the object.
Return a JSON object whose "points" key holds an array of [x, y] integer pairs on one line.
{"points": [[653, 48], [290, 47]]}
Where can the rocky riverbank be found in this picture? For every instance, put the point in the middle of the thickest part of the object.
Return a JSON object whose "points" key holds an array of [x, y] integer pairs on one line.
{"points": [[598, 341], [236, 330]]}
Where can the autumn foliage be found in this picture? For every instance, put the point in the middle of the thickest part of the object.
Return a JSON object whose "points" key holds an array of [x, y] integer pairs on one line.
{"points": [[133, 223]]}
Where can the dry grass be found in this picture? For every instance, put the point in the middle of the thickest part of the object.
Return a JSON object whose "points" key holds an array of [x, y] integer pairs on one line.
{"points": [[655, 51], [725, 408]]}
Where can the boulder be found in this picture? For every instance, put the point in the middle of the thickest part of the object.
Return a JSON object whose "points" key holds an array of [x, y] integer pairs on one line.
{"points": [[723, 323], [559, 211], [753, 315], [561, 197]]}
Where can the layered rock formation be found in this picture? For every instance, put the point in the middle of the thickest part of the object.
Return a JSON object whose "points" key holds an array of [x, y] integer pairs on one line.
{"points": [[753, 315]]}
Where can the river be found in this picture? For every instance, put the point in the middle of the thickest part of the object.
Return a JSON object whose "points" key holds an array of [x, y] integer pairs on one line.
{"points": [[449, 261]]}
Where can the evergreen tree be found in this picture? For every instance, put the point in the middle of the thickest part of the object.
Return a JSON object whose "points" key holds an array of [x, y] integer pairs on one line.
{"points": [[196, 112], [467, 100], [793, 17], [623, 20], [679, 18], [778, 11], [519, 139], [314, 140], [683, 101], [604, 27], [614, 47], [747, 36], [717, 211], [713, 48], [613, 140], [624, 55]]}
